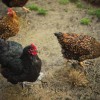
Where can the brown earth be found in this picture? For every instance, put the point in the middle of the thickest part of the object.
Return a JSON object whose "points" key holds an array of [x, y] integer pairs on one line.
{"points": [[38, 29]]}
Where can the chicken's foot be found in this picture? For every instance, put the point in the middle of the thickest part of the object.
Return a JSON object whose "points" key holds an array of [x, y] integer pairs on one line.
{"points": [[41, 76], [25, 84], [26, 9], [86, 63]]}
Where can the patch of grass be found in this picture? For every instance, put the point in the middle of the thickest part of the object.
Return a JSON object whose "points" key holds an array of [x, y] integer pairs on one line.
{"points": [[33, 7], [85, 21], [42, 11], [63, 2], [95, 12], [79, 5]]}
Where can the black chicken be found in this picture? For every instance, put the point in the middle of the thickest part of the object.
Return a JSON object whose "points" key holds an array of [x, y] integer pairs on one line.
{"points": [[18, 64], [16, 3]]}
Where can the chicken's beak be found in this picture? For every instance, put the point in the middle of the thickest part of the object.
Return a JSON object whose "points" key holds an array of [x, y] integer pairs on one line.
{"points": [[58, 34], [8, 13]]}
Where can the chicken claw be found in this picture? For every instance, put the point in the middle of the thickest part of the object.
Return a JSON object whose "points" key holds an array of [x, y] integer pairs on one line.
{"points": [[41, 76], [26, 9], [24, 84], [83, 64]]}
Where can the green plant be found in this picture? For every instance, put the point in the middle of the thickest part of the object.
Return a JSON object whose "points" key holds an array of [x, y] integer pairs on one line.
{"points": [[95, 12], [64, 2], [33, 7], [85, 21], [79, 5], [42, 11]]}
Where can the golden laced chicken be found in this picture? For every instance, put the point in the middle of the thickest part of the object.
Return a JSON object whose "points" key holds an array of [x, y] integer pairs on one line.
{"points": [[78, 47], [9, 25], [16, 3]]}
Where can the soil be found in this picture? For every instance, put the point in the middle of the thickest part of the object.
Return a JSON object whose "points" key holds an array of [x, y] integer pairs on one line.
{"points": [[38, 29]]}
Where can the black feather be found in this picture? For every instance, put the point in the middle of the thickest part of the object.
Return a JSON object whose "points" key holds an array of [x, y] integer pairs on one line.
{"points": [[17, 64], [14, 3]]}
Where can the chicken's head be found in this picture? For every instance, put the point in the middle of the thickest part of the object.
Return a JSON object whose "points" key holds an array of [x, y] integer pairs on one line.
{"points": [[33, 50], [59, 34], [11, 12]]}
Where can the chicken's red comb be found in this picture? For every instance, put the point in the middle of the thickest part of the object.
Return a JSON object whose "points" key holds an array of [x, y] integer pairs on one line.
{"points": [[10, 9], [33, 46], [33, 49]]}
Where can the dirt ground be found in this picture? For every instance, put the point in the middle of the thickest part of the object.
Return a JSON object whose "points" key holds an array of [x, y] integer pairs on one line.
{"points": [[40, 31]]}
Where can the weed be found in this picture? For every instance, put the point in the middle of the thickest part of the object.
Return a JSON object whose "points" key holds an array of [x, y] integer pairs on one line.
{"points": [[85, 21], [33, 7], [79, 5], [42, 11], [63, 2], [95, 12]]}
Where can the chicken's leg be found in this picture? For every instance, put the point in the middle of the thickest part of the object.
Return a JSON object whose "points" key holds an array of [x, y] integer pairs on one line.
{"points": [[24, 84], [73, 63], [25, 9], [81, 64], [86, 63], [41, 76]]}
